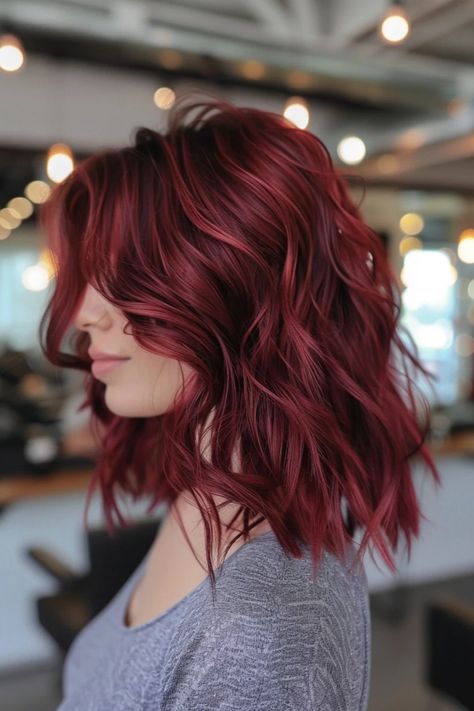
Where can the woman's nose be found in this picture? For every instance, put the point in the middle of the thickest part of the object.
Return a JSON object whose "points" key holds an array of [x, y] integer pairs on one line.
{"points": [[91, 310]]}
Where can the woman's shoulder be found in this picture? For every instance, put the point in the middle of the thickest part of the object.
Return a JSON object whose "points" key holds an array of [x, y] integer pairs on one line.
{"points": [[263, 569], [265, 589], [276, 632]]}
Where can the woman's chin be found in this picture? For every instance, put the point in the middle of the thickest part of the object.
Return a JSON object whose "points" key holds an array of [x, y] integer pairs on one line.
{"points": [[117, 402], [119, 406]]}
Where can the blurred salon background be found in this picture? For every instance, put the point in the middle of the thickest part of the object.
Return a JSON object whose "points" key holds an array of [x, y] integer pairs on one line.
{"points": [[389, 88]]}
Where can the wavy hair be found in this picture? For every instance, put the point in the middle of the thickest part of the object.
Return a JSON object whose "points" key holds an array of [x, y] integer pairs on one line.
{"points": [[230, 242]]}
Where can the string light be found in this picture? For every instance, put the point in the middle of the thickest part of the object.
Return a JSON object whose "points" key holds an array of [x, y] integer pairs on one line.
{"points": [[8, 219], [408, 243], [21, 207], [411, 223], [37, 191], [164, 97]]}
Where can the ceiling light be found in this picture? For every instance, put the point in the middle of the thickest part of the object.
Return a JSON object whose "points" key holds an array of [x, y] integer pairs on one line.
{"points": [[351, 150], [297, 112], [466, 246], [12, 54], [59, 162], [394, 27]]}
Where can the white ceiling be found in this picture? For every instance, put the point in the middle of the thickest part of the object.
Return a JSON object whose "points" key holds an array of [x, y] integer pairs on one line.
{"points": [[353, 81]]}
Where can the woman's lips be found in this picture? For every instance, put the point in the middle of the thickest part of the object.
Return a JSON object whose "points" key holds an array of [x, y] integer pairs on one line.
{"points": [[102, 366]]}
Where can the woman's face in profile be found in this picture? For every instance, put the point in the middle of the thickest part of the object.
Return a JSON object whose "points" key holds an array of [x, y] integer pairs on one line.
{"points": [[143, 385]]}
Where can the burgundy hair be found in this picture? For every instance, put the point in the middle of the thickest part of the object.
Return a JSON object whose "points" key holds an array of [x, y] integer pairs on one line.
{"points": [[231, 243]]}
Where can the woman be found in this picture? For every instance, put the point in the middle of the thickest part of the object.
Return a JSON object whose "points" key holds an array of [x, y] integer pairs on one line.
{"points": [[254, 314]]}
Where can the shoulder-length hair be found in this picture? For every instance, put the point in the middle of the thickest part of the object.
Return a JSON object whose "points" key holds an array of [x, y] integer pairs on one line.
{"points": [[230, 242]]}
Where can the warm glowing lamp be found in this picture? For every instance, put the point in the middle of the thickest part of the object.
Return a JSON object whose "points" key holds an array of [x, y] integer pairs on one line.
{"points": [[59, 162], [12, 54], [394, 26]]}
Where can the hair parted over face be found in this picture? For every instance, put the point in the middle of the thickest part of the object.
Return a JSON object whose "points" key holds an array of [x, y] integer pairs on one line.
{"points": [[145, 383], [226, 260]]}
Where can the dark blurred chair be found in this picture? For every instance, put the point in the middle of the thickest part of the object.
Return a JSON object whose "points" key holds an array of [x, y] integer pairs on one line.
{"points": [[80, 597], [449, 649]]}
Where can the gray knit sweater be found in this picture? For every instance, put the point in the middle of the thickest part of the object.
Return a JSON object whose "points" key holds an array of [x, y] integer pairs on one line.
{"points": [[275, 641]]}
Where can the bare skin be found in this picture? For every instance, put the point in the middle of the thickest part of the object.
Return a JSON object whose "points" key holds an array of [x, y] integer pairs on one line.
{"points": [[172, 571]]}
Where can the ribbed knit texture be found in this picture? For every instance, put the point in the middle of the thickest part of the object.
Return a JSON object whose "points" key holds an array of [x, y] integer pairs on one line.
{"points": [[275, 641]]}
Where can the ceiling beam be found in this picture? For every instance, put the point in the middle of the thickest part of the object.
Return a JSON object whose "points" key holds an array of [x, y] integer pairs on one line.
{"points": [[174, 26], [347, 24], [424, 166], [308, 17], [270, 15]]}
